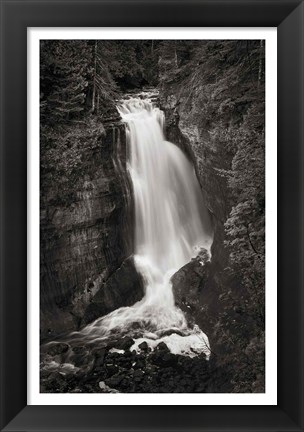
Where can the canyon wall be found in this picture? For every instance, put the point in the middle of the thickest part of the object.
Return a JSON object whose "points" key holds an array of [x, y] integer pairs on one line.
{"points": [[214, 100], [85, 233], [186, 126], [197, 288], [207, 114]]}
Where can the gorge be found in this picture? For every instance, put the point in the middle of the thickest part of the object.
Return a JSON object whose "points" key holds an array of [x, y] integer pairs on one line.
{"points": [[171, 225], [151, 251]]}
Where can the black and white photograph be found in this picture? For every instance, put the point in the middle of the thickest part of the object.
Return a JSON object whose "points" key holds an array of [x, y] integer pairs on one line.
{"points": [[152, 216]]}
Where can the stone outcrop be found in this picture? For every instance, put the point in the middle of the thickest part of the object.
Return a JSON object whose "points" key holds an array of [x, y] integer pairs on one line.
{"points": [[197, 288], [187, 127], [123, 288], [196, 293], [85, 237]]}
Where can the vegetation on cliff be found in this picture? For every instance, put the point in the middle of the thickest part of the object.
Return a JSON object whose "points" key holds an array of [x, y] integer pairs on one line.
{"points": [[214, 93], [79, 83], [65, 150], [79, 77]]}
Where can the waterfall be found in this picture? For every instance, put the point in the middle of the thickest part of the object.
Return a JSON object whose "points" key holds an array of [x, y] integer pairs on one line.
{"points": [[171, 225], [170, 219]]}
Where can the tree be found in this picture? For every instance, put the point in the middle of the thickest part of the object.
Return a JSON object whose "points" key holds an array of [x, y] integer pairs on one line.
{"points": [[66, 72], [219, 87], [104, 87]]}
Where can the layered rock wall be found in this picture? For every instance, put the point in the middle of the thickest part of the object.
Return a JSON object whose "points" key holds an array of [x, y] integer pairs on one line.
{"points": [[86, 237], [186, 127], [197, 288]]}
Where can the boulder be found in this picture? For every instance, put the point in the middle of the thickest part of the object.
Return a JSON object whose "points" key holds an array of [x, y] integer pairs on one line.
{"points": [[124, 343], [143, 346], [196, 293], [162, 347], [164, 359], [123, 288], [114, 380], [100, 357], [57, 348]]}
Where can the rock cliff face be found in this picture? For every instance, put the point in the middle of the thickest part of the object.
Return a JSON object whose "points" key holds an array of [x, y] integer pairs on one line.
{"points": [[186, 126], [123, 288], [197, 292], [196, 287], [213, 98], [86, 236]]}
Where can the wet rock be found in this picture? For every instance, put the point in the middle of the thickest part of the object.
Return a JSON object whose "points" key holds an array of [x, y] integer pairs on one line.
{"points": [[106, 389], [111, 369], [130, 354], [126, 384], [100, 356], [57, 348], [196, 292], [44, 374], [162, 347], [156, 372], [120, 360], [126, 364], [144, 346], [138, 375], [126, 343], [114, 381], [163, 359], [83, 358], [169, 359], [79, 350], [55, 383], [123, 288], [139, 363]]}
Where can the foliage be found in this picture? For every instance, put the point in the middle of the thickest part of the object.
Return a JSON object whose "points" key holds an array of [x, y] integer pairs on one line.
{"points": [[64, 152], [104, 88], [132, 63], [65, 75], [79, 77], [219, 87], [245, 230]]}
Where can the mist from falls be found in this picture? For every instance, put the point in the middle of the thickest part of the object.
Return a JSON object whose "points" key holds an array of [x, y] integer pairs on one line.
{"points": [[171, 225]]}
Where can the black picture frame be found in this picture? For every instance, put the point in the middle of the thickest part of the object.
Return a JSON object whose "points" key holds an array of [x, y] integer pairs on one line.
{"points": [[16, 16]]}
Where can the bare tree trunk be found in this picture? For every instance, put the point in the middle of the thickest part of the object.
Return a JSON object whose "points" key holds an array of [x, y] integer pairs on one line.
{"points": [[97, 105], [251, 244], [94, 77], [260, 64], [250, 65], [152, 47], [175, 55]]}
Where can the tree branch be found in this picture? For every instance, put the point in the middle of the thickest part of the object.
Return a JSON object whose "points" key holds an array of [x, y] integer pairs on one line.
{"points": [[251, 244]]}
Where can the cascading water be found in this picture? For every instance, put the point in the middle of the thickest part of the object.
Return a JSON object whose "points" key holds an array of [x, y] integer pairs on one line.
{"points": [[171, 224], [171, 221]]}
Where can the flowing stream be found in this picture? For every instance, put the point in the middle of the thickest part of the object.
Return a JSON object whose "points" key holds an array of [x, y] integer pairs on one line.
{"points": [[171, 225]]}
